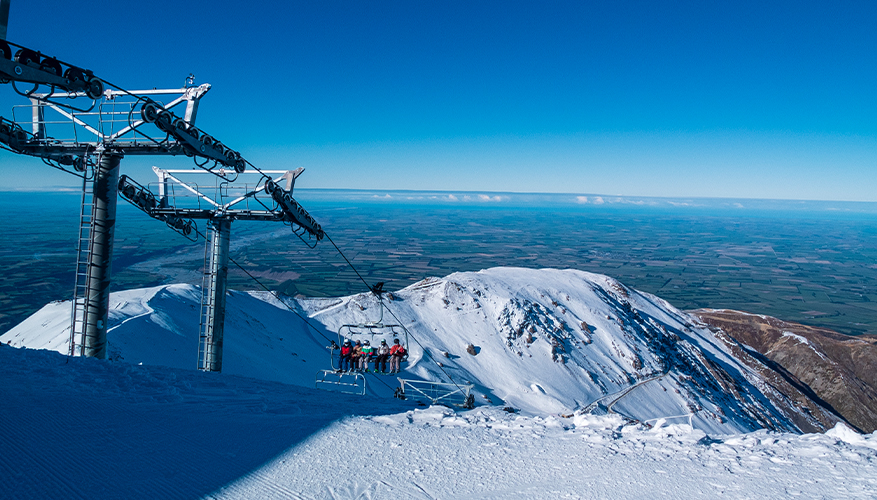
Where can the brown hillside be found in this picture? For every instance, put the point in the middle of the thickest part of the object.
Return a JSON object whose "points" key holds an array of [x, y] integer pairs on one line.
{"points": [[840, 369]]}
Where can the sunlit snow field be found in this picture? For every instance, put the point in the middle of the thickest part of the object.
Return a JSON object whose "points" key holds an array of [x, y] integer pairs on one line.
{"points": [[84, 428]]}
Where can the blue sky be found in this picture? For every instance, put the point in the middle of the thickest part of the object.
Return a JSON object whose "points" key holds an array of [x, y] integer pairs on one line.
{"points": [[745, 99]]}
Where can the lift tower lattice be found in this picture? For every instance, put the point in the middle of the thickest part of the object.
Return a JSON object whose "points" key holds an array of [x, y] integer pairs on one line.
{"points": [[180, 203]]}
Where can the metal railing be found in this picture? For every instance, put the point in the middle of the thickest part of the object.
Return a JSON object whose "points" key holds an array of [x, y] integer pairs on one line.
{"points": [[116, 118]]}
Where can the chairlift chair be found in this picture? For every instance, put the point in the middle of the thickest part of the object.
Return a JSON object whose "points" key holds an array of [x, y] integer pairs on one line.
{"points": [[374, 331]]}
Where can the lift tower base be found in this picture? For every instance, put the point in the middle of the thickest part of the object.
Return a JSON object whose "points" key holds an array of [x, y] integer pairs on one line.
{"points": [[91, 301]]}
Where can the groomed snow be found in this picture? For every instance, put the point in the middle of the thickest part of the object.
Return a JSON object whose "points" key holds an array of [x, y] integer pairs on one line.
{"points": [[84, 428]]}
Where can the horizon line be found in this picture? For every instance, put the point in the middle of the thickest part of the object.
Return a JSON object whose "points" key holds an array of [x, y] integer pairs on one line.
{"points": [[65, 189]]}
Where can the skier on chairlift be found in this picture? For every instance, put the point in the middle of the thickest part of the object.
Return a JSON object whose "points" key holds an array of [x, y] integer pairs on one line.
{"points": [[383, 352], [345, 362], [367, 353], [397, 352], [355, 355]]}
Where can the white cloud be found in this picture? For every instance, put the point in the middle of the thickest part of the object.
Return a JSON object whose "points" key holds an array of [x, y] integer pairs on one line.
{"points": [[484, 197], [452, 197], [581, 199], [598, 200]]}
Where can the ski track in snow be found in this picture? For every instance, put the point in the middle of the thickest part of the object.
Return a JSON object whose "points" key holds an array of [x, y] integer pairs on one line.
{"points": [[85, 428]]}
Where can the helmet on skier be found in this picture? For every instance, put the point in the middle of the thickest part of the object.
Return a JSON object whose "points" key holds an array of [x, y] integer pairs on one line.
{"points": [[347, 342], [395, 341], [366, 343], [383, 342]]}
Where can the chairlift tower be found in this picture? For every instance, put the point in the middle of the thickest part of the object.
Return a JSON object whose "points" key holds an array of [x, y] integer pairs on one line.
{"points": [[91, 141], [181, 201], [84, 126]]}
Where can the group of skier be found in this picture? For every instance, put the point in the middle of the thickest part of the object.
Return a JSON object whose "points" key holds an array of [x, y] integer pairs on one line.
{"points": [[357, 357]]}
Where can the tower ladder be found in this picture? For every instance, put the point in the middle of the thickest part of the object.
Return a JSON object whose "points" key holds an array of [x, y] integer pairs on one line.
{"points": [[208, 309], [81, 285]]}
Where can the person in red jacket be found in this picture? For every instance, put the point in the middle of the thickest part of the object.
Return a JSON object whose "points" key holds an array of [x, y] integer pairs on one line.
{"points": [[345, 363], [397, 352]]}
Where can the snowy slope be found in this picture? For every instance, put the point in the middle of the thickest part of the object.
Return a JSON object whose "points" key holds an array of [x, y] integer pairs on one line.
{"points": [[159, 326], [546, 341], [82, 428]]}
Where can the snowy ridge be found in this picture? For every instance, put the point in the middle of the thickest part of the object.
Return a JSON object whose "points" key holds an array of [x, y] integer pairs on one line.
{"points": [[546, 341], [803, 340]]}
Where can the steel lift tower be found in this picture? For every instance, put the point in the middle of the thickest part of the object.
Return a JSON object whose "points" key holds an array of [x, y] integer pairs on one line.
{"points": [[92, 144], [180, 203], [83, 125]]}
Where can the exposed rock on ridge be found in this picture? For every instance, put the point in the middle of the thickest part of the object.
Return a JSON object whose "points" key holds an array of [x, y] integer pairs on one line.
{"points": [[838, 369]]}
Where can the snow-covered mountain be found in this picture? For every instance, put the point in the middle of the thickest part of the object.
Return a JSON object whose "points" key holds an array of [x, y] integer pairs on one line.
{"points": [[543, 341]]}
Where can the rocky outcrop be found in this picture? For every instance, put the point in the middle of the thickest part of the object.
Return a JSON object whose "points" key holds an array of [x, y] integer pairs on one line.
{"points": [[840, 370]]}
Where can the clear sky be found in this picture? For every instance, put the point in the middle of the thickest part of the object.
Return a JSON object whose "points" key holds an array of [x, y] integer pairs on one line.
{"points": [[714, 99]]}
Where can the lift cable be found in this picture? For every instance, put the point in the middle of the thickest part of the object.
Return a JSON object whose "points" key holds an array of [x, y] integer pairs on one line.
{"points": [[84, 82], [374, 290], [293, 311], [271, 292], [364, 282], [425, 351]]}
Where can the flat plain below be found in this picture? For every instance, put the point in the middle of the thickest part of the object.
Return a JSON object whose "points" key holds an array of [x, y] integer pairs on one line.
{"points": [[807, 262]]}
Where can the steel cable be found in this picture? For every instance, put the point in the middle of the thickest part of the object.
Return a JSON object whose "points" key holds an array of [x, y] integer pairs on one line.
{"points": [[293, 311], [256, 280], [407, 331]]}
